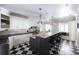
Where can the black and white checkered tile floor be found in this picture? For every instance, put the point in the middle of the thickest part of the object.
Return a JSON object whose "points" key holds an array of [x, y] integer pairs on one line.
{"points": [[24, 49], [66, 48], [21, 49]]}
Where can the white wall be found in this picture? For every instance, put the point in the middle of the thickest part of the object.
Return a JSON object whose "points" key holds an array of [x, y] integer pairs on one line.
{"points": [[72, 30]]}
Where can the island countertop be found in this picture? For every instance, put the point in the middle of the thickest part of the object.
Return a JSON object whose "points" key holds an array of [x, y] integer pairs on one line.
{"points": [[45, 34]]}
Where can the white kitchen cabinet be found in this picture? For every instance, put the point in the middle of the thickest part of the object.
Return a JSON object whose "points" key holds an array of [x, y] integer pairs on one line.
{"points": [[18, 39]]}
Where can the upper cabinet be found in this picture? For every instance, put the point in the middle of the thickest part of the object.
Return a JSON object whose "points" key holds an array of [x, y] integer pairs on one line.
{"points": [[4, 11]]}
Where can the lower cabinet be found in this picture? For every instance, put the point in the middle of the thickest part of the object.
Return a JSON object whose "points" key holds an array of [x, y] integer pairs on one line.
{"points": [[4, 49], [18, 39]]}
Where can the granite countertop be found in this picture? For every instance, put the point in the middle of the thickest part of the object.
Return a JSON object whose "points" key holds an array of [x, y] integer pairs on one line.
{"points": [[13, 32]]}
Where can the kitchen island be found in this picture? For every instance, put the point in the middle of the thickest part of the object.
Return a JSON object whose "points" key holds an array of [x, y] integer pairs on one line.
{"points": [[41, 44]]}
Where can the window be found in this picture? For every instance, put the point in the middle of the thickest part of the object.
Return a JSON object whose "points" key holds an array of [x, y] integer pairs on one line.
{"points": [[63, 27], [48, 27]]}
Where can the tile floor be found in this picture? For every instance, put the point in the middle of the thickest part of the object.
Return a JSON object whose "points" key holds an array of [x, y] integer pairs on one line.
{"points": [[65, 48]]}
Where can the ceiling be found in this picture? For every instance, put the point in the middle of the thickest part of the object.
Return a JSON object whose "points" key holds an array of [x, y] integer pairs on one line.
{"points": [[49, 10]]}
